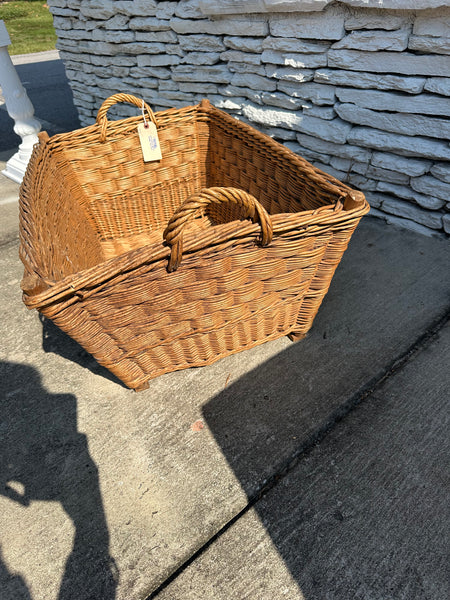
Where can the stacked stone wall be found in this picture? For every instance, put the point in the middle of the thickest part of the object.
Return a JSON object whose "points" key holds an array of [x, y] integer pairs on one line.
{"points": [[362, 93]]}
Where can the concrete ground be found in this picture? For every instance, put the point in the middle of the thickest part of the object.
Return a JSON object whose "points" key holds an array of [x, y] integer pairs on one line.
{"points": [[316, 470]]}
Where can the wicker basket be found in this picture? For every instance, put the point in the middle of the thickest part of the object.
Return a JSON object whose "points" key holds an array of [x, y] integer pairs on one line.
{"points": [[229, 241]]}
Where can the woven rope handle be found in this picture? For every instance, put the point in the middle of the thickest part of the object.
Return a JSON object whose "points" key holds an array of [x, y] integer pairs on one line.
{"points": [[194, 206], [102, 119]]}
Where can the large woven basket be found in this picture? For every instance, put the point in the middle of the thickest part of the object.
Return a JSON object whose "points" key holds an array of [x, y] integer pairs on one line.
{"points": [[228, 241]]}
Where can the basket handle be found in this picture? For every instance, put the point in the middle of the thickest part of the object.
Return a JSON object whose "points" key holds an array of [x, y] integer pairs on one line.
{"points": [[194, 205], [102, 119]]}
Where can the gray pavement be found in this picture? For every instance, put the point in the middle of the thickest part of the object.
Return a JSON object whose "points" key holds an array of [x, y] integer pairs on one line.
{"points": [[362, 515], [319, 472], [43, 76]]}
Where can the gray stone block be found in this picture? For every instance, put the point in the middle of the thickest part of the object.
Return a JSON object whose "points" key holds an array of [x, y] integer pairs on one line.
{"points": [[446, 223], [150, 71], [149, 24], [441, 171], [328, 25], [431, 186], [322, 112], [438, 85], [399, 144], [281, 100], [375, 40], [400, 208], [420, 43], [118, 22], [226, 26], [389, 62], [369, 19], [210, 74], [405, 192], [254, 82], [289, 73], [235, 92], [335, 131], [286, 44], [241, 67], [412, 85], [201, 58], [244, 44], [237, 56], [98, 9], [198, 88], [135, 8], [396, 122], [166, 37], [316, 92], [201, 43], [433, 24], [410, 166], [427, 104], [341, 150], [165, 10], [298, 61], [112, 36], [157, 60], [410, 225]]}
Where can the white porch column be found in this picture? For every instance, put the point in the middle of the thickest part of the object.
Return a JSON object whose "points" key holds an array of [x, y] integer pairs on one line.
{"points": [[19, 108]]}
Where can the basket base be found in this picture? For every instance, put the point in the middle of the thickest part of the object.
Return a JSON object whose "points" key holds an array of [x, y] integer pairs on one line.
{"points": [[142, 387], [296, 337]]}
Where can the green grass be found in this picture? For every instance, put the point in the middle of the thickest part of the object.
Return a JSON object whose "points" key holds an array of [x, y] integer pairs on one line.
{"points": [[29, 24]]}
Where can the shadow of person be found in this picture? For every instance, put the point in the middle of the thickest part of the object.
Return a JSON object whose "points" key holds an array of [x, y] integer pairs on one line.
{"points": [[12, 587], [44, 457]]}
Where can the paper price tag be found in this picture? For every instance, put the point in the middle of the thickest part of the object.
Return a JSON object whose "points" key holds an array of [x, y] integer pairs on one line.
{"points": [[148, 136]]}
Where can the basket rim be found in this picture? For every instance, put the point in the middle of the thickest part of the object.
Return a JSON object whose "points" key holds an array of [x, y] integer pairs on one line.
{"points": [[305, 224], [164, 118]]}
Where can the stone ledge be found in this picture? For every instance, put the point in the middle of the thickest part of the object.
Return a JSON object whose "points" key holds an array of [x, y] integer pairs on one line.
{"points": [[226, 7]]}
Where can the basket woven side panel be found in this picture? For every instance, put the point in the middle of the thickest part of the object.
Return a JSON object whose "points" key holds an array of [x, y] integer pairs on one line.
{"points": [[56, 238], [283, 182], [323, 277], [221, 301], [124, 196]]}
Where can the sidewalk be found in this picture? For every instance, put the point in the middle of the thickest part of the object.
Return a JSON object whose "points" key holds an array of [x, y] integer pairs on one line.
{"points": [[318, 474], [362, 515]]}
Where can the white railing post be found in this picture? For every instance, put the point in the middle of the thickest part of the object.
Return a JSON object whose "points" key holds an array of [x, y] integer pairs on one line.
{"points": [[19, 108]]}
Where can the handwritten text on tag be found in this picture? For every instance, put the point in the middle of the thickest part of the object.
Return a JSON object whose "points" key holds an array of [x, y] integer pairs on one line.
{"points": [[148, 137]]}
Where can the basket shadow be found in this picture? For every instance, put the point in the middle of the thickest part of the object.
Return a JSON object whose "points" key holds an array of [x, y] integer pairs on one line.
{"points": [[56, 341], [45, 458], [260, 422], [356, 511], [334, 517]]}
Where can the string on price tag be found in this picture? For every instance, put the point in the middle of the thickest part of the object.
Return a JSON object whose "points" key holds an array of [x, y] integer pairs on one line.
{"points": [[148, 137]]}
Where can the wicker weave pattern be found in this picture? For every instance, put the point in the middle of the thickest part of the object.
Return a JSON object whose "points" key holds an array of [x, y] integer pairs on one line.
{"points": [[149, 271]]}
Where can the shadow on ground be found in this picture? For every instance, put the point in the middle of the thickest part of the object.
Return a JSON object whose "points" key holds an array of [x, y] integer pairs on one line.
{"points": [[361, 516], [45, 458], [56, 341]]}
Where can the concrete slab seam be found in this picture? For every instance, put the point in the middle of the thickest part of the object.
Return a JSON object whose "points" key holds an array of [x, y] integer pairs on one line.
{"points": [[9, 241]]}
